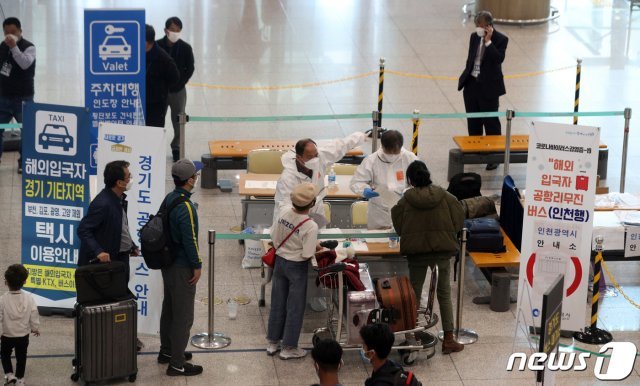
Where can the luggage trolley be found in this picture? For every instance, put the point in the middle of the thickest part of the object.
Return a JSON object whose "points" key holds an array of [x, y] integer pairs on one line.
{"points": [[344, 325]]}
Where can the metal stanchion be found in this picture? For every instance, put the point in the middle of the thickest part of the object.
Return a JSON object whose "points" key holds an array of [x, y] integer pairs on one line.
{"points": [[416, 128], [380, 90], [592, 334], [210, 339], [376, 116], [182, 120], [507, 144], [463, 335], [625, 144], [576, 101]]}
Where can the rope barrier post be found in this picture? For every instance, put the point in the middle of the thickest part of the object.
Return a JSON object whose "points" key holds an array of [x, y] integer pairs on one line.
{"points": [[625, 144], [183, 118], [463, 335], [380, 90], [210, 339], [507, 145], [576, 101], [416, 127], [375, 130], [592, 334]]}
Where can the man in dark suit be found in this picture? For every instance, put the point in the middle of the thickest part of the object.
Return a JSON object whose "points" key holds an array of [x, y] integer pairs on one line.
{"points": [[482, 78], [162, 74], [104, 230]]}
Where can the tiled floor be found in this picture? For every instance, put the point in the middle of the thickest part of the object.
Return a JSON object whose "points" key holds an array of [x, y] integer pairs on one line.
{"points": [[278, 43]]}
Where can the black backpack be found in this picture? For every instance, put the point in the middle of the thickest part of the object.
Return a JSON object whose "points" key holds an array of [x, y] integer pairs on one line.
{"points": [[465, 185], [155, 237], [401, 378]]}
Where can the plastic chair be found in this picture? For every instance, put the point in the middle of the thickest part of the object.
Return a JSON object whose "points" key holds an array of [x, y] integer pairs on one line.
{"points": [[327, 212], [344, 169], [264, 161], [359, 214]]}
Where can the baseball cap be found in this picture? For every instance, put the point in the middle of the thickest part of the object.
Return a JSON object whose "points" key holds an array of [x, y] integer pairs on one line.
{"points": [[303, 194], [184, 169]]}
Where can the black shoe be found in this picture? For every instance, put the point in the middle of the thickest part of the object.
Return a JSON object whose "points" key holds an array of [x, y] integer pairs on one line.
{"points": [[187, 370], [491, 166], [166, 358], [176, 155]]}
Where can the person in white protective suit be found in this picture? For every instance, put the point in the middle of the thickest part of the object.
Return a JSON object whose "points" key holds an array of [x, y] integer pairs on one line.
{"points": [[308, 162], [381, 179]]}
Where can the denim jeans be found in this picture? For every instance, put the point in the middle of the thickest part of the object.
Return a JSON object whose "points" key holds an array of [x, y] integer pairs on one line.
{"points": [[11, 107], [288, 298]]}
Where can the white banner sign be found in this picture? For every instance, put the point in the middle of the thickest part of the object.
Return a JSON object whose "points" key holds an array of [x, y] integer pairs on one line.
{"points": [[632, 242], [558, 218], [145, 149]]}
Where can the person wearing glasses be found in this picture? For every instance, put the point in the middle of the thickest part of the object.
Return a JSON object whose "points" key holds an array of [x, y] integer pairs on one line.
{"points": [[104, 231]]}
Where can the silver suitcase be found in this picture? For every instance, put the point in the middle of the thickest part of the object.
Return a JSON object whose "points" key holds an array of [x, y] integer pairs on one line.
{"points": [[359, 304]]}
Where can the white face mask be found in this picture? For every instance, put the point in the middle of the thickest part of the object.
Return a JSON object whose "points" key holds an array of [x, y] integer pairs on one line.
{"points": [[129, 185], [480, 31], [173, 36], [195, 181], [390, 158], [313, 164]]}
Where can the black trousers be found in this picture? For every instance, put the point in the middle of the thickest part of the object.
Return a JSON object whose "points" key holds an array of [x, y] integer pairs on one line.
{"points": [[476, 102], [7, 345]]}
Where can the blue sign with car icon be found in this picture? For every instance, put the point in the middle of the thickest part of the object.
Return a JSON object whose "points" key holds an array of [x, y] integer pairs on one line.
{"points": [[114, 47]]}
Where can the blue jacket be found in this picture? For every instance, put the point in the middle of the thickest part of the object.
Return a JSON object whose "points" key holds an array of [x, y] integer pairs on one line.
{"points": [[184, 230], [101, 228]]}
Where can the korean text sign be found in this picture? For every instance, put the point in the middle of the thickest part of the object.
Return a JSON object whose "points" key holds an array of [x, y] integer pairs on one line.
{"points": [[55, 195], [114, 68], [144, 149], [558, 218]]}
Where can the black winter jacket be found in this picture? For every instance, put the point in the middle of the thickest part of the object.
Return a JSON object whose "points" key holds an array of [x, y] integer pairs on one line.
{"points": [[182, 54]]}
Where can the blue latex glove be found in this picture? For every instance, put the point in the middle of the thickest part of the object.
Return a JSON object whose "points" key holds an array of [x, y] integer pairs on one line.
{"points": [[370, 193]]}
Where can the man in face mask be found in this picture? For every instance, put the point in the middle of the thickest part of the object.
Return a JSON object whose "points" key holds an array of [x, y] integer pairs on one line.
{"points": [[17, 71], [308, 162], [104, 231], [182, 54], [482, 78], [380, 178], [377, 342]]}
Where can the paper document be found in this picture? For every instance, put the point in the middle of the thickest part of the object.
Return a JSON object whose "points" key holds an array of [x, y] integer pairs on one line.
{"points": [[252, 184], [360, 246]]}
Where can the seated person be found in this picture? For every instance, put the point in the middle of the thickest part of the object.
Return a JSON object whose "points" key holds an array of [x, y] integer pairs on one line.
{"points": [[327, 359], [383, 172]]}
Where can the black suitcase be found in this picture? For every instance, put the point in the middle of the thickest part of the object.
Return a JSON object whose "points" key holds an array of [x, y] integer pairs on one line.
{"points": [[101, 283], [11, 140], [484, 235], [465, 185], [105, 342]]}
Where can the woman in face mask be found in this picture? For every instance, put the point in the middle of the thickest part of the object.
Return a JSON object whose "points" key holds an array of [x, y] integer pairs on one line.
{"points": [[380, 178]]}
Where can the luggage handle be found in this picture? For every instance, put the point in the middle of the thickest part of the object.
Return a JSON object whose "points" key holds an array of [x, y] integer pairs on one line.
{"points": [[385, 284]]}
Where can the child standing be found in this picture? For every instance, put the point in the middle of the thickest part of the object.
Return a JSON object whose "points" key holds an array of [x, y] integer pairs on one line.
{"points": [[18, 318]]}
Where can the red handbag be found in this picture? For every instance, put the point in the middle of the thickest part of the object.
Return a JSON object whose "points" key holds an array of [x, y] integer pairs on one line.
{"points": [[269, 258]]}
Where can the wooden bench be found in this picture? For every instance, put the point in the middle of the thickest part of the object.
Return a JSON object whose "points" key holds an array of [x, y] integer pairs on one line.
{"points": [[232, 155], [490, 149]]}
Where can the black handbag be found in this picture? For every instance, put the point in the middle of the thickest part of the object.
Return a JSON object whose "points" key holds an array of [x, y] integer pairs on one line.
{"points": [[102, 283]]}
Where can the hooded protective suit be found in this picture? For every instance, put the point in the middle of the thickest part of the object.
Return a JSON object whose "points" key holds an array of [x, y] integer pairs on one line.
{"points": [[386, 175], [328, 154]]}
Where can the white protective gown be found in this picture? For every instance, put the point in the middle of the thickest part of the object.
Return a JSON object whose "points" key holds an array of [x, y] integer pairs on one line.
{"points": [[387, 179], [328, 154]]}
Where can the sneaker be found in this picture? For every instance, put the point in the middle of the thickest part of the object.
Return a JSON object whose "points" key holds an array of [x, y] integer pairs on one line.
{"points": [[20, 382], [292, 353], [273, 348], [10, 379], [187, 370], [166, 358]]}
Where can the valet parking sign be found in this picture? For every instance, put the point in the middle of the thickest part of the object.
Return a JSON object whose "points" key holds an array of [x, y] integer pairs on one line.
{"points": [[558, 218], [55, 193], [114, 68]]}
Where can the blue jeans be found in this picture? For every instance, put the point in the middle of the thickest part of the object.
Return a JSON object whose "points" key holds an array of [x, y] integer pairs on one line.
{"points": [[11, 107], [288, 299]]}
